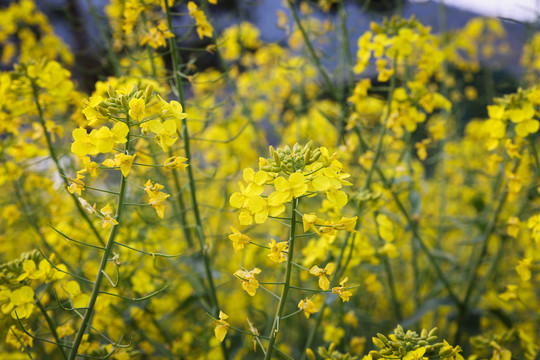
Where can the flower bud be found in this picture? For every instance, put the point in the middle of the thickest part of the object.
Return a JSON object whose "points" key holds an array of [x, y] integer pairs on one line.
{"points": [[111, 92], [148, 92]]}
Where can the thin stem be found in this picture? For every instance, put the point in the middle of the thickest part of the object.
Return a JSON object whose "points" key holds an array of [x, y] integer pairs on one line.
{"points": [[104, 259], [54, 157], [311, 49], [52, 327], [286, 286], [185, 135]]}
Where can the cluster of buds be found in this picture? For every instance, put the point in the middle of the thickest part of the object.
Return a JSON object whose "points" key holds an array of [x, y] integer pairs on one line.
{"points": [[401, 343], [331, 354], [10, 271], [118, 103], [289, 161], [391, 26]]}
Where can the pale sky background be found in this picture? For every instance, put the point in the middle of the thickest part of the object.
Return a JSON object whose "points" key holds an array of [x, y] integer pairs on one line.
{"points": [[522, 10]]}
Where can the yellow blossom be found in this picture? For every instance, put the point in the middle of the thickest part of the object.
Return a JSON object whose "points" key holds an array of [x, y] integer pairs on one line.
{"points": [[524, 269], [238, 239], [221, 326], [513, 226], [343, 293], [249, 283], [324, 283], [176, 162], [278, 251], [121, 160], [107, 220], [307, 306]]}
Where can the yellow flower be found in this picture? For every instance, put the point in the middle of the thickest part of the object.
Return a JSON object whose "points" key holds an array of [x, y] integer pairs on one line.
{"points": [[417, 354], [137, 109], [386, 228], [107, 220], [173, 109], [307, 307], [32, 272], [156, 197], [249, 283], [524, 269], [510, 293], [176, 162], [295, 187], [324, 283], [203, 26], [238, 239], [221, 326], [343, 293], [91, 110], [76, 185], [121, 160], [309, 221], [512, 227], [106, 138], [157, 35], [83, 144], [165, 132], [16, 336], [89, 166], [278, 251], [21, 303]]}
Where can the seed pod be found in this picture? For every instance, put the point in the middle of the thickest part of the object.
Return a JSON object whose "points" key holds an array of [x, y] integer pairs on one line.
{"points": [[111, 92]]}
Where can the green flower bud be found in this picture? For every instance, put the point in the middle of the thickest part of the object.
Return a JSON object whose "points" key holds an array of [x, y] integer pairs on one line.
{"points": [[111, 92], [148, 92], [378, 343]]}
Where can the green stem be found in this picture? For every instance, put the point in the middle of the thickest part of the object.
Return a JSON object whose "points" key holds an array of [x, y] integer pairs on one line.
{"points": [[189, 170], [106, 38], [286, 286], [51, 326], [472, 285], [104, 259], [311, 49], [54, 157]]}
